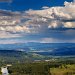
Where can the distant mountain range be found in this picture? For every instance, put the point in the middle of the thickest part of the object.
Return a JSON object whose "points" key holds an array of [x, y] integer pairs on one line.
{"points": [[32, 51], [58, 52], [34, 45]]}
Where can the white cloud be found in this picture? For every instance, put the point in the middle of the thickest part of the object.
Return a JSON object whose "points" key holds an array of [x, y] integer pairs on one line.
{"points": [[17, 24], [69, 24], [36, 20], [54, 17], [8, 35], [45, 7]]}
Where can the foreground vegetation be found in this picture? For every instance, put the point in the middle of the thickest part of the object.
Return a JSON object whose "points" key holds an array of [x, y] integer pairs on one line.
{"points": [[43, 68]]}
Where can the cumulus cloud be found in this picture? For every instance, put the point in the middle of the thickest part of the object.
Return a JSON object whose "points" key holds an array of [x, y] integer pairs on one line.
{"points": [[40, 23], [55, 17], [35, 21]]}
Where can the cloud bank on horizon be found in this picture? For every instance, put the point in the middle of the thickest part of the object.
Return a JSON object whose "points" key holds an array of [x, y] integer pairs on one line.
{"points": [[48, 25]]}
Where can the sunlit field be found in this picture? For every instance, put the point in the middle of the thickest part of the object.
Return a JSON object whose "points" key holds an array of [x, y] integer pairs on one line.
{"points": [[63, 70]]}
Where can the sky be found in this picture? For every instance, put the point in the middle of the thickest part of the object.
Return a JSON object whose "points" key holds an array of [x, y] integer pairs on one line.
{"points": [[42, 21], [22, 5]]}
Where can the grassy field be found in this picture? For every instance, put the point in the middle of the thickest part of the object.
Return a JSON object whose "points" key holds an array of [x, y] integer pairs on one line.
{"points": [[63, 70]]}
